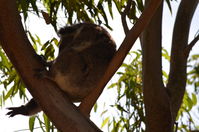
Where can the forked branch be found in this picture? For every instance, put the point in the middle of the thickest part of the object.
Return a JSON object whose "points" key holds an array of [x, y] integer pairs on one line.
{"points": [[190, 46], [123, 17]]}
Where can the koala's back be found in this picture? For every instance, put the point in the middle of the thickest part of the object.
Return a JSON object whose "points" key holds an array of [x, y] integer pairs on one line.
{"points": [[84, 54], [84, 35]]}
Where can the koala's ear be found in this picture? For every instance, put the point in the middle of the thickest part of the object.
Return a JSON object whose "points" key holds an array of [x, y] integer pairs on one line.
{"points": [[65, 30], [69, 29]]}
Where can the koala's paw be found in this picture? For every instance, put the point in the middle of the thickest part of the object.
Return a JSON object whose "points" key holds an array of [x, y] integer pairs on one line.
{"points": [[13, 111], [40, 73]]}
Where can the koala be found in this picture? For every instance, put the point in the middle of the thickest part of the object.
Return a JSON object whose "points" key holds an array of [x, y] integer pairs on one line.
{"points": [[85, 51]]}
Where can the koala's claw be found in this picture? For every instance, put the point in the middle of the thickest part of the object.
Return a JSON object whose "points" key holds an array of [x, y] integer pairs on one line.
{"points": [[16, 111], [40, 73]]}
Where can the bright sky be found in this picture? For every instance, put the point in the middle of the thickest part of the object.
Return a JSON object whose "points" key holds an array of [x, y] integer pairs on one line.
{"points": [[45, 32]]}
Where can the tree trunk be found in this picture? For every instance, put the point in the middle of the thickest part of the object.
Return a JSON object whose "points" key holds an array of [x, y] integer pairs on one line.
{"points": [[163, 104], [157, 106], [178, 64]]}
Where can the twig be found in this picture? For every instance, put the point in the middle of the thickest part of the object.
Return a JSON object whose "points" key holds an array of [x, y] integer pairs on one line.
{"points": [[190, 45], [176, 124], [123, 17]]}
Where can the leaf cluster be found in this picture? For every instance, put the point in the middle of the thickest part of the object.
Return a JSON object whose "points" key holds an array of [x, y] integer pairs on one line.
{"points": [[73, 10], [129, 103], [45, 125], [193, 74], [136, 7], [9, 80]]}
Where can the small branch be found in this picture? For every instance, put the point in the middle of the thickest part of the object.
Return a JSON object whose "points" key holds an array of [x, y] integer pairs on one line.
{"points": [[123, 17], [176, 126], [134, 33], [190, 46], [46, 17]]}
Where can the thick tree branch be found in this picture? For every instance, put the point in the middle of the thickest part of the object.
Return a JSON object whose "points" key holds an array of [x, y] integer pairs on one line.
{"points": [[190, 46], [117, 60], [156, 99], [15, 43], [123, 17], [178, 64]]}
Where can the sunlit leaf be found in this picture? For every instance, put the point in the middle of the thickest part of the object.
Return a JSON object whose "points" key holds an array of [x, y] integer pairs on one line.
{"points": [[103, 112], [31, 123], [165, 54], [194, 99], [95, 107], [47, 123], [105, 121]]}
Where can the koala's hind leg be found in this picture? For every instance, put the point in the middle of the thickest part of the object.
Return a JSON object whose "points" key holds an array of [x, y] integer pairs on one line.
{"points": [[29, 109]]}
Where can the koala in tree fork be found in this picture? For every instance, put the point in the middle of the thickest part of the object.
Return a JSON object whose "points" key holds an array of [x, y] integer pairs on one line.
{"points": [[85, 51]]}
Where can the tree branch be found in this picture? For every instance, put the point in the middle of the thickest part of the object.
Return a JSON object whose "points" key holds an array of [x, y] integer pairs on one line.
{"points": [[190, 46], [55, 104], [156, 99], [117, 60], [123, 17], [178, 64]]}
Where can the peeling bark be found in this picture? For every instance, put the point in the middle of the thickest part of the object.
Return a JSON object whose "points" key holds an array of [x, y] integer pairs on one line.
{"points": [[55, 104]]}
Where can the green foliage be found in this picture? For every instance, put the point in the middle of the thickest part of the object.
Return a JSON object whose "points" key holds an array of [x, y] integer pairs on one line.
{"points": [[136, 8], [165, 54], [79, 10], [129, 103], [10, 80], [74, 10], [13, 85], [186, 119], [193, 74], [166, 59], [45, 124], [46, 49], [31, 123]]}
